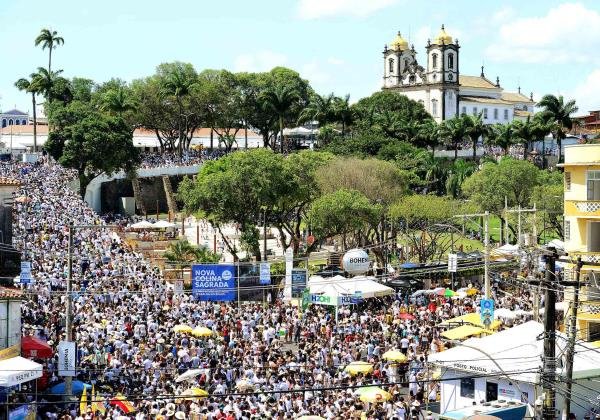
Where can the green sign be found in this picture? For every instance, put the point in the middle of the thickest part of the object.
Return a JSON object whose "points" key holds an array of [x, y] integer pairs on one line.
{"points": [[305, 299]]}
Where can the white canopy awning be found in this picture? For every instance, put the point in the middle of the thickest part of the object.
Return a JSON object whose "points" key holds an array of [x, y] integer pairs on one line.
{"points": [[340, 286], [163, 224], [142, 225], [18, 370]]}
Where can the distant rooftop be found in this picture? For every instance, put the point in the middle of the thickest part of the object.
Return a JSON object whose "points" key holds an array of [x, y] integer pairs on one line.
{"points": [[15, 112]]}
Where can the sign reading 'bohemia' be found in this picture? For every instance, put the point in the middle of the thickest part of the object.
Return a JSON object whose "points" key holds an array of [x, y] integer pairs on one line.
{"points": [[214, 282], [66, 358]]}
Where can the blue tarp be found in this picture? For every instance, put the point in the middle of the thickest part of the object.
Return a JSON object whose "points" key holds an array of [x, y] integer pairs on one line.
{"points": [[77, 387]]}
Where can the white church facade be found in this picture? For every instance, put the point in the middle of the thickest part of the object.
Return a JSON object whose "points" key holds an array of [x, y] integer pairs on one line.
{"points": [[443, 91]]}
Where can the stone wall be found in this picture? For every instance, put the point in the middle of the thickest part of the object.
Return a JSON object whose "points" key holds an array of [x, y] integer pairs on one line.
{"points": [[152, 190]]}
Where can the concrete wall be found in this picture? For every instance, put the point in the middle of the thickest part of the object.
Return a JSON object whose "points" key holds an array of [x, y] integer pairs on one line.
{"points": [[93, 192]]}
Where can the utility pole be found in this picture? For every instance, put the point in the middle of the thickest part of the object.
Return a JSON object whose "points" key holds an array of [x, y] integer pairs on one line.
{"points": [[68, 322], [519, 227], [549, 370], [486, 261], [505, 220], [486, 243], [572, 334], [265, 234]]}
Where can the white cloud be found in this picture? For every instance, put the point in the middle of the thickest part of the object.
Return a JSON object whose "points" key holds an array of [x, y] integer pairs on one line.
{"points": [[259, 61], [335, 61], [567, 33], [502, 15], [587, 93], [315, 9]]}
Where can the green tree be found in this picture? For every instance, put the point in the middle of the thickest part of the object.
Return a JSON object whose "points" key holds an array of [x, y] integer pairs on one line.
{"points": [[510, 178], [548, 198], [347, 213], [319, 108], [343, 112], [177, 80], [525, 134], [390, 114], [49, 39], [279, 100], [31, 86], [457, 174], [46, 81], [183, 252], [455, 132], [556, 110], [417, 215], [475, 128], [92, 143], [503, 136]]}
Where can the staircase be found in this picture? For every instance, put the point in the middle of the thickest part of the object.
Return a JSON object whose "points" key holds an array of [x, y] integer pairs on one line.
{"points": [[169, 194], [137, 195]]}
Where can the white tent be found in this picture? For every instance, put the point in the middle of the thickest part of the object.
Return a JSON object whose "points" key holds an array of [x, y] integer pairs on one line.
{"points": [[142, 225], [18, 370], [163, 224], [506, 250], [340, 286]]}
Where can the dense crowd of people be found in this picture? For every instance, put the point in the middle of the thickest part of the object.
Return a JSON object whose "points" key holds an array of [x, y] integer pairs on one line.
{"points": [[259, 362], [170, 159]]}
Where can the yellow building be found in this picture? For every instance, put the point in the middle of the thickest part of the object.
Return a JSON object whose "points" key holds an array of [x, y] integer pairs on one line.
{"points": [[582, 232]]}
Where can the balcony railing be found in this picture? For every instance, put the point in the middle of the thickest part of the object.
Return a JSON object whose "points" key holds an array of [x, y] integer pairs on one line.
{"points": [[587, 206], [586, 257]]}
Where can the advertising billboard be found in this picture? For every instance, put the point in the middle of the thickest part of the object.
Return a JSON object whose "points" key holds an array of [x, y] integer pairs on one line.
{"points": [[214, 282]]}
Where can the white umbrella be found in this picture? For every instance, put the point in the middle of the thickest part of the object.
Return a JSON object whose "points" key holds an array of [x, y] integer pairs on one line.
{"points": [[504, 313], [163, 224], [190, 374], [142, 225]]}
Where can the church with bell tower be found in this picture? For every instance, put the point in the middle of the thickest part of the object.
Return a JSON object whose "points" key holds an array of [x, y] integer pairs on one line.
{"points": [[441, 88]]}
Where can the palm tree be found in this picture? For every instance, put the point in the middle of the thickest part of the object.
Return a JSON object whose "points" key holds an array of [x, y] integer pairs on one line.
{"points": [[343, 112], [455, 131], [556, 110], [427, 135], [183, 252], [279, 100], [541, 128], [31, 86], [458, 172], [46, 80], [178, 83], [503, 135], [49, 39], [525, 134], [475, 128], [118, 101], [319, 108]]}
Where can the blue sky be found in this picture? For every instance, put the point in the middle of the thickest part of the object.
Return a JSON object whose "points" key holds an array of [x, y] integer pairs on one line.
{"points": [[545, 46]]}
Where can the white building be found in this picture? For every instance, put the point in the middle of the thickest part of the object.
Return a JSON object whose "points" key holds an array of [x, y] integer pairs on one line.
{"points": [[13, 117], [507, 365], [440, 87]]}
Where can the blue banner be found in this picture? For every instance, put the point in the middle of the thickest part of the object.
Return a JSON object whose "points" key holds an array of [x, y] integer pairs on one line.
{"points": [[214, 282], [487, 312], [299, 277]]}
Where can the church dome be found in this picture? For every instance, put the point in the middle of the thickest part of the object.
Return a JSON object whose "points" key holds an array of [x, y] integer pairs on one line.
{"points": [[443, 37], [399, 43]]}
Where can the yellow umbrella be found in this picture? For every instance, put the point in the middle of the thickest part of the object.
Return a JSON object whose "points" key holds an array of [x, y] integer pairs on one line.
{"points": [[202, 332], [472, 291], [182, 328], [354, 368], [194, 392], [373, 394], [395, 356]]}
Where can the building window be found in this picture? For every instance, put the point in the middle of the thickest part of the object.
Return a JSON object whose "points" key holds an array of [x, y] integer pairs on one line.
{"points": [[474, 110], [434, 61], [450, 61], [3, 122], [485, 113], [391, 64], [525, 108], [24, 122], [406, 63], [412, 79], [495, 113], [464, 110], [467, 387], [434, 107], [567, 181], [10, 122], [593, 185], [506, 114], [567, 230]]}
